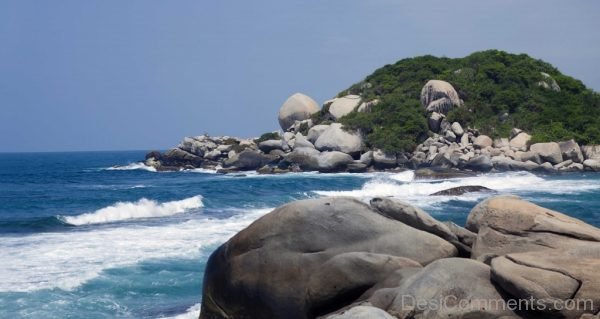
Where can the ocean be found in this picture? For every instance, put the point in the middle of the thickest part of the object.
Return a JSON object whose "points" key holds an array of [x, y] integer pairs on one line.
{"points": [[95, 235]]}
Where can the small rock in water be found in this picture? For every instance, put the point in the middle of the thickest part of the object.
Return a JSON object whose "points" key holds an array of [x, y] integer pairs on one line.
{"points": [[460, 190]]}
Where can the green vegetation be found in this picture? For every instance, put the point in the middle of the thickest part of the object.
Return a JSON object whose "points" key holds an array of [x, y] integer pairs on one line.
{"points": [[268, 136], [492, 84]]}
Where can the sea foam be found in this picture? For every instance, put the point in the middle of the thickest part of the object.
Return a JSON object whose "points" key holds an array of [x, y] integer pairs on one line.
{"points": [[143, 208], [132, 166], [66, 260], [405, 187]]}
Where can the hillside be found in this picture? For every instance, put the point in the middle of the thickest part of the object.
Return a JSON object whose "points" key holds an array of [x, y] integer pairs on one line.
{"points": [[500, 91]]}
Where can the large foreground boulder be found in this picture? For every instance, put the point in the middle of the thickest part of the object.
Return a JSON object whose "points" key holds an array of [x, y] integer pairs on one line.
{"points": [[447, 288], [419, 219], [561, 284], [297, 107], [310, 258], [507, 224]]}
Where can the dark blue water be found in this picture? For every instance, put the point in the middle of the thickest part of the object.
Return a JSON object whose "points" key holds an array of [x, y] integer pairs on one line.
{"points": [[79, 239]]}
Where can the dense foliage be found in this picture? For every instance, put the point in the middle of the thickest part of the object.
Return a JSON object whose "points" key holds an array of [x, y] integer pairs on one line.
{"points": [[500, 91]]}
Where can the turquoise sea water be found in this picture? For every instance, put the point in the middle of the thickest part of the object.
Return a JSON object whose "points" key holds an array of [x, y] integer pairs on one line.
{"points": [[82, 239]]}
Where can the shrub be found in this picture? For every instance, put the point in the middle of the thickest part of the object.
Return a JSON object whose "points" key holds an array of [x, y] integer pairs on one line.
{"points": [[491, 83]]}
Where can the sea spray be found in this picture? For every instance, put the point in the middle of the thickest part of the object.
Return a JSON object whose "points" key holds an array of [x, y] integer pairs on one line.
{"points": [[144, 208]]}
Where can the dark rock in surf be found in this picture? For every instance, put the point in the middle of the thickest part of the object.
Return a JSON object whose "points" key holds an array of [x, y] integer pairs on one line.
{"points": [[460, 190]]}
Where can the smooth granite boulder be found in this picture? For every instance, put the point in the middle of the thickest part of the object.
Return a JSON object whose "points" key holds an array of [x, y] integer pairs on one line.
{"points": [[335, 138], [384, 160], [297, 107], [591, 152], [520, 141], [269, 145], [306, 158], [482, 141], [333, 161], [418, 219], [481, 163], [301, 141], [565, 279], [283, 266], [571, 151], [361, 312], [343, 106], [447, 288], [316, 131], [592, 165], [548, 152], [249, 160], [434, 121], [439, 96], [507, 224], [179, 157]]}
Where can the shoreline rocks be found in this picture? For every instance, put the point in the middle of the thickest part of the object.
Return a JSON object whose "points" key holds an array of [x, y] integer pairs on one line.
{"points": [[304, 146], [341, 258]]}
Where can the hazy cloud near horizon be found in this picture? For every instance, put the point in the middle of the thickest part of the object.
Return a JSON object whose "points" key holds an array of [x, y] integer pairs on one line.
{"points": [[141, 74]]}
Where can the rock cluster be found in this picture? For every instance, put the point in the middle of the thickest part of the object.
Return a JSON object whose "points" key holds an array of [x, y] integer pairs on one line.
{"points": [[331, 148], [451, 146], [339, 258]]}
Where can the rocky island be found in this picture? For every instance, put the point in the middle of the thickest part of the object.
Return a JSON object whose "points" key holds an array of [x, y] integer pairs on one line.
{"points": [[488, 111]]}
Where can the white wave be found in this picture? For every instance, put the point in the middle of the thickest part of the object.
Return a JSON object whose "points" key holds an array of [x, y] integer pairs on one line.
{"points": [[202, 170], [418, 191], [192, 312], [143, 208], [406, 176], [67, 260], [132, 166]]}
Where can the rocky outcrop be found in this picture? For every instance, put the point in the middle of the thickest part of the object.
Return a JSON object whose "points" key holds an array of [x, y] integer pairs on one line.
{"points": [[476, 152], [548, 82], [309, 258], [439, 96], [341, 258], [343, 106], [297, 107]]}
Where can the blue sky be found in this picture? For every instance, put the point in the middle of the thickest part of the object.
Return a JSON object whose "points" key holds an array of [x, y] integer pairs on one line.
{"points": [[116, 75]]}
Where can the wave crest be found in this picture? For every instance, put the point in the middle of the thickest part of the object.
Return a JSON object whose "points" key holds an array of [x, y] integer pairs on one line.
{"points": [[143, 208], [131, 167]]}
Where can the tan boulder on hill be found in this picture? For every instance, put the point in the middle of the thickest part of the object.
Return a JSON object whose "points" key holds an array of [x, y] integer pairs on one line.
{"points": [[297, 107], [439, 96], [343, 106]]}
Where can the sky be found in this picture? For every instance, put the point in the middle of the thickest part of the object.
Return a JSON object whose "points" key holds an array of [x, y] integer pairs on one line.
{"points": [[142, 74]]}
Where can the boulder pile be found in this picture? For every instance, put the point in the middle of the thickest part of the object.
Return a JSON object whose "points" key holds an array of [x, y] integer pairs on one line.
{"points": [[329, 147], [339, 258]]}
